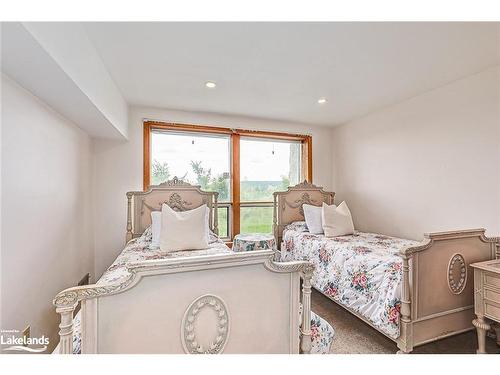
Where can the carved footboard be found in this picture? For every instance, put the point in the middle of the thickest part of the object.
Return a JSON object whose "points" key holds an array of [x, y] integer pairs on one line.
{"points": [[231, 303], [437, 289]]}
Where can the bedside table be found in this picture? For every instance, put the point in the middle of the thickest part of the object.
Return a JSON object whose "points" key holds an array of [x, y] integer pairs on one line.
{"points": [[253, 241], [486, 300]]}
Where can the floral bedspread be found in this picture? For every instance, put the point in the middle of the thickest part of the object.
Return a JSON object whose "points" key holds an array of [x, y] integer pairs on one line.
{"points": [[322, 334], [362, 271], [139, 249]]}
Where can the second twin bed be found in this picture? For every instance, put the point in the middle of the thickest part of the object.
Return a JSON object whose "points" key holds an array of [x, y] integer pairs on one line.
{"points": [[360, 271], [412, 292]]}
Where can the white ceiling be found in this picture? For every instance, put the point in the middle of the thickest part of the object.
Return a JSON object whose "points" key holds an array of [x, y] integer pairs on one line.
{"points": [[279, 70]]}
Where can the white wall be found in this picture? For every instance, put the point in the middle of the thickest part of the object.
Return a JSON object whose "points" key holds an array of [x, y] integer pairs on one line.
{"points": [[46, 210], [68, 44], [429, 163], [119, 169]]}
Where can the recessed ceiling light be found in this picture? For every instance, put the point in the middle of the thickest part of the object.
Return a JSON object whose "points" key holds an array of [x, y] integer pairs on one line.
{"points": [[210, 84], [322, 100]]}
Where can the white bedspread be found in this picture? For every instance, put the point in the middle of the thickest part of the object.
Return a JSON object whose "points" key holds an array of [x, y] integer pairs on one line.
{"points": [[362, 271]]}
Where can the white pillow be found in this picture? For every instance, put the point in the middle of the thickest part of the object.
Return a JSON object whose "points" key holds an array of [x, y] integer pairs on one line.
{"points": [[312, 215], [184, 230], [337, 221], [155, 228]]}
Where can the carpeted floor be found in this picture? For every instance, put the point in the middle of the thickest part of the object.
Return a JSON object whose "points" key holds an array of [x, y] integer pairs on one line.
{"points": [[353, 336]]}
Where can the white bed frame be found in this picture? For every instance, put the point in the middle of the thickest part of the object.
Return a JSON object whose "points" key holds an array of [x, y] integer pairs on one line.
{"points": [[231, 303], [437, 289]]}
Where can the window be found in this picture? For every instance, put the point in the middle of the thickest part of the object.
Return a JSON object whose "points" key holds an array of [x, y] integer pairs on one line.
{"points": [[200, 159], [244, 167], [266, 166]]}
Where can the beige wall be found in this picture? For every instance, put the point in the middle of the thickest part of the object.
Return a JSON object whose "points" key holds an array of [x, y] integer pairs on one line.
{"points": [[46, 210], [118, 169], [429, 163]]}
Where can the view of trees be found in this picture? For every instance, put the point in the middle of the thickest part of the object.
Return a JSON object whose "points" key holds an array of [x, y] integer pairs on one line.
{"points": [[253, 219], [160, 172], [250, 190], [208, 182]]}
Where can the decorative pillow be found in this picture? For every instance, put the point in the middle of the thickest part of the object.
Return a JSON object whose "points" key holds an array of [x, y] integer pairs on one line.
{"points": [[186, 230], [155, 228], [337, 221], [312, 214]]}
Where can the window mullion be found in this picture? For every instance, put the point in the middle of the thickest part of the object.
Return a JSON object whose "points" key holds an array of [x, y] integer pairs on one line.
{"points": [[235, 177]]}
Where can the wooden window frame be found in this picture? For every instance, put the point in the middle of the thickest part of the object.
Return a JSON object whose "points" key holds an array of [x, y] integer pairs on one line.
{"points": [[235, 135]]}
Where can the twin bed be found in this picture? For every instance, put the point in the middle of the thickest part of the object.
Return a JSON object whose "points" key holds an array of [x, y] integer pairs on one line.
{"points": [[412, 292], [214, 300], [199, 301]]}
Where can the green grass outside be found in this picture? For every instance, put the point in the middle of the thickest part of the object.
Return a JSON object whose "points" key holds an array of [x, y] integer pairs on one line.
{"points": [[222, 222], [256, 220], [253, 220]]}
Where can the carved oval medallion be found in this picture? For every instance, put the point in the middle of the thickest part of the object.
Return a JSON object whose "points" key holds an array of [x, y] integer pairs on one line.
{"points": [[457, 274], [215, 321]]}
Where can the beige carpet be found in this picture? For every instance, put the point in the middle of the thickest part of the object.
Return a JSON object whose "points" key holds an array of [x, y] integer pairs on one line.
{"points": [[353, 336]]}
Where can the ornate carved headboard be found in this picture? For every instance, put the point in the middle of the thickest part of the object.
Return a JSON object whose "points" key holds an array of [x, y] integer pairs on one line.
{"points": [[179, 195], [288, 204]]}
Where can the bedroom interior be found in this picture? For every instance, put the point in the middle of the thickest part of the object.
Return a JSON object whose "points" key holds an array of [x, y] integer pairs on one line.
{"points": [[250, 188]]}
